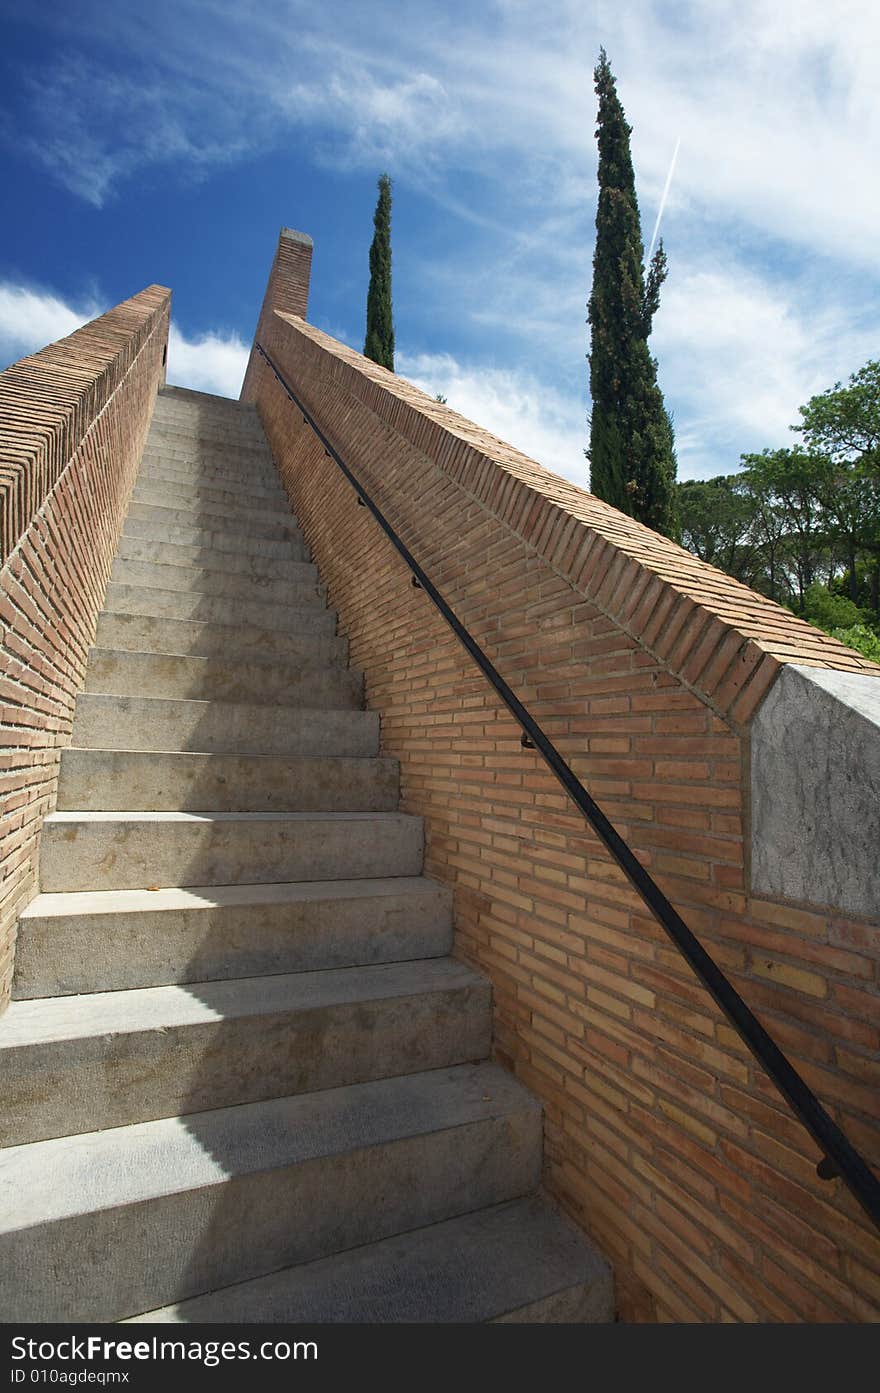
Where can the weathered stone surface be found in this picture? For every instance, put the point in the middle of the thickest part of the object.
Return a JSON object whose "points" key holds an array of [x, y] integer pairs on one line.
{"points": [[124, 1057], [516, 1262], [111, 1224], [110, 940], [132, 851], [815, 759]]}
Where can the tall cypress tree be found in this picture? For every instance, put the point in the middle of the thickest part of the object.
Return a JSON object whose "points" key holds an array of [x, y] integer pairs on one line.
{"points": [[379, 342], [632, 451]]}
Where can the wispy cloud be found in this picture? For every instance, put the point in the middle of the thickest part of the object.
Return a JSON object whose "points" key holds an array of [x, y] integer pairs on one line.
{"points": [[207, 363], [543, 423], [31, 318], [92, 128], [777, 105], [489, 112]]}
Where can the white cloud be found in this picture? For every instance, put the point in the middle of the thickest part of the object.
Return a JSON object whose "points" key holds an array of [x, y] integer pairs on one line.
{"points": [[489, 112], [92, 128], [31, 318], [542, 422], [741, 352], [777, 105], [211, 362], [400, 121]]}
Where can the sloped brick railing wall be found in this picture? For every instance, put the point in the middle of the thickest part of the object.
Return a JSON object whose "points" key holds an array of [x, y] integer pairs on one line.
{"points": [[73, 419], [645, 667]]}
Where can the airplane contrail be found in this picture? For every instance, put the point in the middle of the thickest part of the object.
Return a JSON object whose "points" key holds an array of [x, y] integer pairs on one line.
{"points": [[664, 198]]}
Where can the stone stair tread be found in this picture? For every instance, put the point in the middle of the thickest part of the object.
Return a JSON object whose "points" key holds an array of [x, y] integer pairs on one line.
{"points": [[146, 673], [297, 590], [184, 638], [276, 527], [135, 849], [81, 942], [46, 1181], [195, 478], [204, 558], [251, 460], [220, 781], [516, 1261], [217, 538], [169, 899], [239, 465], [120, 1013], [141, 815], [169, 724], [198, 479], [196, 661], [237, 512], [151, 602]]}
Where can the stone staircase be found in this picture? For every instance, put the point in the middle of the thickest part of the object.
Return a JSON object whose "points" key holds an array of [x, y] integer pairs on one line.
{"points": [[241, 1078]]}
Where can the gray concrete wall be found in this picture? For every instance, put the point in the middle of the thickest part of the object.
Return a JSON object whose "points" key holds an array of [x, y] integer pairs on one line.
{"points": [[815, 783]]}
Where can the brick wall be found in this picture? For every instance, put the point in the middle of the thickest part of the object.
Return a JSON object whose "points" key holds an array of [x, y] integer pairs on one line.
{"points": [[73, 419], [286, 289], [645, 666]]}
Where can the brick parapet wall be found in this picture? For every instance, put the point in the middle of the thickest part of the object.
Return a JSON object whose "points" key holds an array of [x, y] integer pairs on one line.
{"points": [[287, 289], [73, 419], [644, 665]]}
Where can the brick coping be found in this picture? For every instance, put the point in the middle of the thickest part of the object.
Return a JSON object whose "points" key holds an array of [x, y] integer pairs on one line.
{"points": [[723, 640]]}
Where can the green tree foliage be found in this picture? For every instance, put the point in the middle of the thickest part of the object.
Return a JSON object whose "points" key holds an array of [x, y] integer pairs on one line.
{"points": [[716, 523], [632, 450], [844, 422], [782, 486], [379, 341], [866, 641], [802, 525]]}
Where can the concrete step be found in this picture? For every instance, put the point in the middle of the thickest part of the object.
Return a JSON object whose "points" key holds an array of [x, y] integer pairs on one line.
{"points": [[263, 485], [253, 461], [114, 1223], [238, 510], [227, 434], [237, 679], [195, 417], [137, 632], [521, 1262], [186, 401], [116, 780], [208, 518], [195, 423], [191, 491], [247, 463], [134, 850], [301, 589], [123, 1057], [220, 540], [246, 430], [112, 940], [174, 398], [218, 609], [214, 727], [231, 448], [230, 562]]}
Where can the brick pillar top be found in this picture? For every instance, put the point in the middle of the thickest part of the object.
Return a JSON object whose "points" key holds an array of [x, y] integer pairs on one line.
{"points": [[287, 288]]}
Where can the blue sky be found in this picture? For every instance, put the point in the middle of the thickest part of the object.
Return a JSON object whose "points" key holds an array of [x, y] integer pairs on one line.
{"points": [[168, 143]]}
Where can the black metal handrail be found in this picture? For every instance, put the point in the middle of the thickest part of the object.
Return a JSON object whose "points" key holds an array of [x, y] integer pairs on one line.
{"points": [[839, 1156]]}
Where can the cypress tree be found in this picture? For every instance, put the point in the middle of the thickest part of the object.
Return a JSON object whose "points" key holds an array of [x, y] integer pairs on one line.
{"points": [[379, 342], [632, 451]]}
